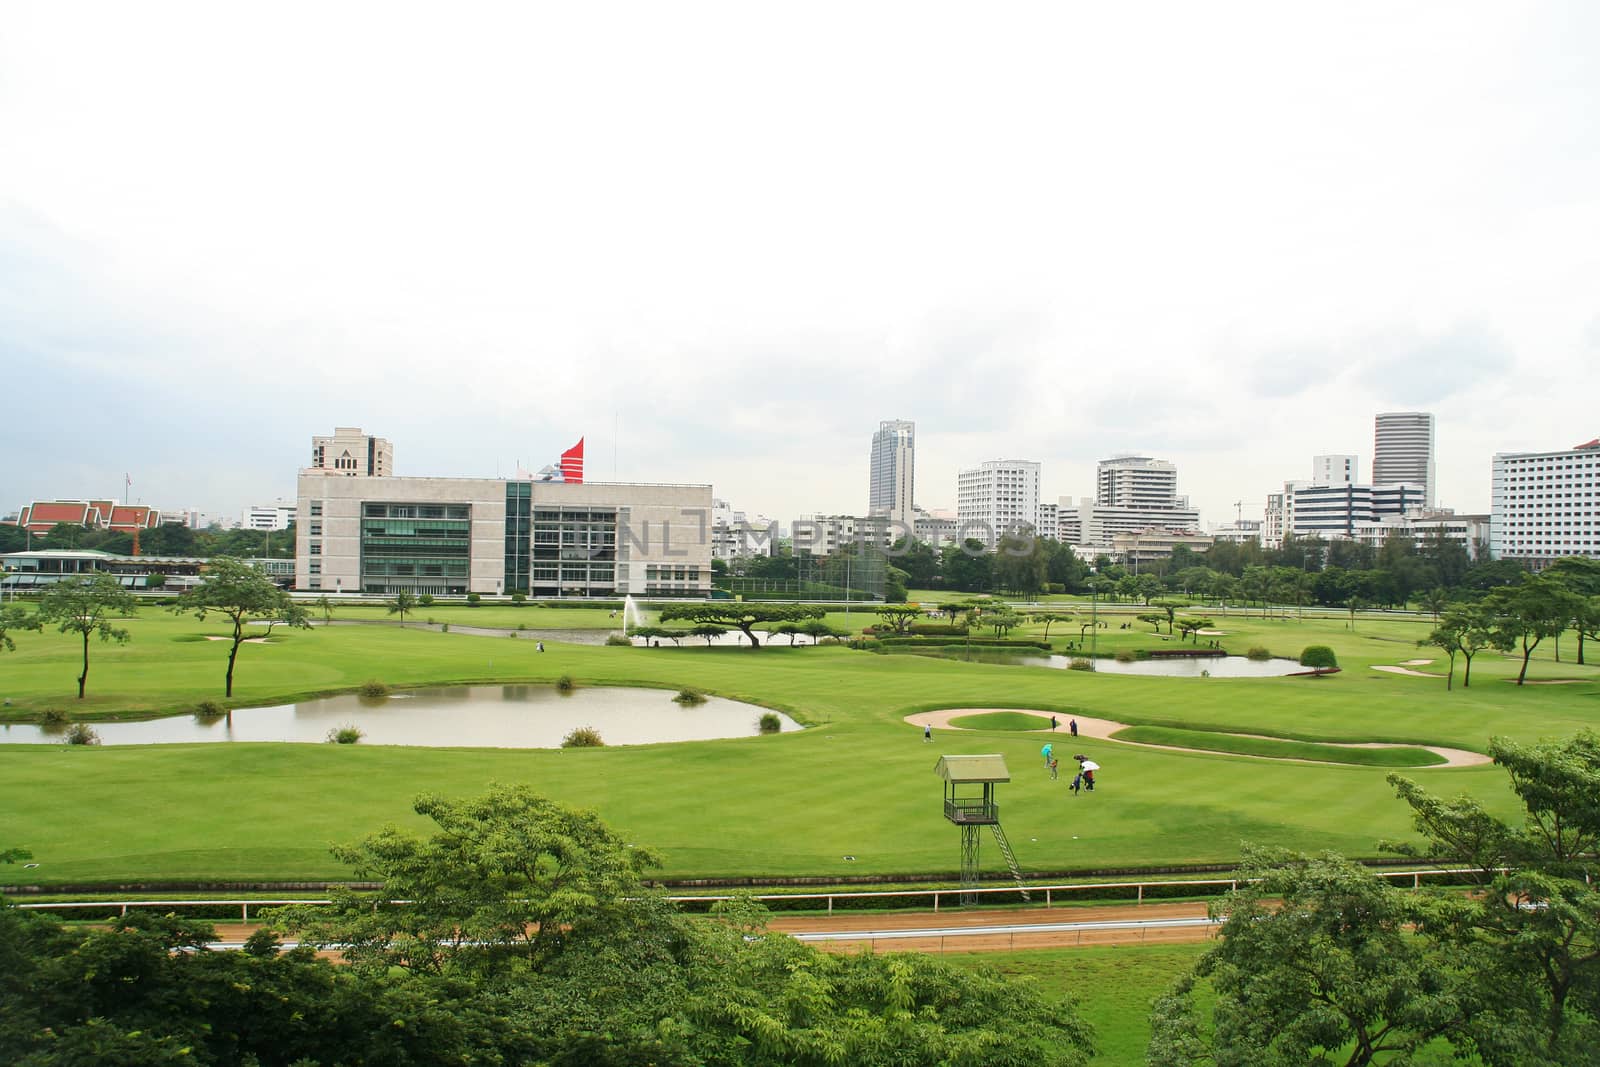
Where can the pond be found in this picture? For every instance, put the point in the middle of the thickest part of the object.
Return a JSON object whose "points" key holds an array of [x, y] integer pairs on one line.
{"points": [[1187, 667], [478, 716]]}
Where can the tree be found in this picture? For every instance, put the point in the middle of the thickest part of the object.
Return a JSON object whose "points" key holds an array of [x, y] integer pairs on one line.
{"points": [[242, 593], [1049, 617], [899, 617], [710, 631], [1435, 601], [403, 603], [1020, 564], [1354, 604], [1002, 622], [918, 560], [968, 566], [86, 605], [1530, 935], [1315, 960], [743, 616], [1464, 631], [1153, 618], [325, 606], [1319, 657], [1581, 576], [1168, 608], [1190, 626], [15, 618], [507, 883], [1528, 613]]}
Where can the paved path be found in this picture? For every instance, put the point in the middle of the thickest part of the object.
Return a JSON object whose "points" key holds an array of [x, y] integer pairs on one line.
{"points": [[1102, 729]]}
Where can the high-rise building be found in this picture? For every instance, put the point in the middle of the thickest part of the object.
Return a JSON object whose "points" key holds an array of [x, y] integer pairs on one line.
{"points": [[892, 491], [1545, 505], [997, 497], [353, 453], [1137, 482], [1402, 451]]}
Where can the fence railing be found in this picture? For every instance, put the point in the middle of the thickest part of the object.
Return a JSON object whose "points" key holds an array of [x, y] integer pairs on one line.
{"points": [[1050, 892]]}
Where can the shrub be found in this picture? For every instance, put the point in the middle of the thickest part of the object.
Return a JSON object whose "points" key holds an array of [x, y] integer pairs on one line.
{"points": [[374, 688], [1081, 663], [686, 697], [53, 717], [425, 600], [81, 733], [618, 641], [473, 600], [518, 599], [1257, 652], [565, 684], [583, 737], [1319, 656], [769, 723], [444, 627], [348, 734], [1126, 655], [209, 709]]}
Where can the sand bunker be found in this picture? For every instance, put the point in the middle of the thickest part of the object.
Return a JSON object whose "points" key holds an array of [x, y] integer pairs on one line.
{"points": [[248, 640], [1387, 669], [1415, 662], [1102, 729]]}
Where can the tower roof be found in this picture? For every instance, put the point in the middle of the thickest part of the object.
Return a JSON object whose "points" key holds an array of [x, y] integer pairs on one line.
{"points": [[991, 768]]}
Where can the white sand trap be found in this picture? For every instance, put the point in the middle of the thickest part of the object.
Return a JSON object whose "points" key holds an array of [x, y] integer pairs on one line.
{"points": [[1102, 729], [1212, 633], [247, 641], [1387, 669], [1549, 681], [1415, 662]]}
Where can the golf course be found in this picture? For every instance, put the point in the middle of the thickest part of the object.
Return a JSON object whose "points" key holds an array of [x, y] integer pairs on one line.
{"points": [[1198, 765]]}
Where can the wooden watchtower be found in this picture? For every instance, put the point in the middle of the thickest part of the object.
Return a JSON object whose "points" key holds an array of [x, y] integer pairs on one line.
{"points": [[969, 802]]}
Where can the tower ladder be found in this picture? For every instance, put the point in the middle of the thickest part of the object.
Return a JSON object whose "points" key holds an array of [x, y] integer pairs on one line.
{"points": [[1011, 860]]}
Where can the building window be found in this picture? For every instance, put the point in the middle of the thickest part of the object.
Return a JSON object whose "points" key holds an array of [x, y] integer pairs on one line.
{"points": [[316, 509]]}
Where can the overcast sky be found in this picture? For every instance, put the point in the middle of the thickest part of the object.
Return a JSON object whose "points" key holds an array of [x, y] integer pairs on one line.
{"points": [[722, 242]]}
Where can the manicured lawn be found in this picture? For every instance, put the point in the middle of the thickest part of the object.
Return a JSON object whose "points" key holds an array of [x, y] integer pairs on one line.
{"points": [[1113, 986], [859, 783]]}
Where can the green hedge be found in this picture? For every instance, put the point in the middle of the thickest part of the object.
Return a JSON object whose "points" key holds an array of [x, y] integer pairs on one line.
{"points": [[976, 642]]}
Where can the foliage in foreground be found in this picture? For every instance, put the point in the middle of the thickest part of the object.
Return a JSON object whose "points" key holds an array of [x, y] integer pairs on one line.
{"points": [[532, 939], [1322, 962]]}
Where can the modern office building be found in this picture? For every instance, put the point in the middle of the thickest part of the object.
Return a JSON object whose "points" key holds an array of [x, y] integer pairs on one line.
{"points": [[268, 516], [1543, 505], [1471, 532], [1337, 510], [353, 453], [1138, 483], [379, 533], [892, 491], [997, 497], [1134, 495], [1402, 451]]}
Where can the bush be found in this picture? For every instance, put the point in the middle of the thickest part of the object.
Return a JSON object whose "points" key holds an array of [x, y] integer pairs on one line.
{"points": [[1257, 652], [81, 733], [209, 709], [769, 723], [1126, 655], [518, 599], [583, 737], [53, 717], [1319, 656], [565, 684], [473, 600], [686, 697], [618, 641], [425, 600], [928, 628], [1081, 663], [374, 688], [348, 734], [444, 627]]}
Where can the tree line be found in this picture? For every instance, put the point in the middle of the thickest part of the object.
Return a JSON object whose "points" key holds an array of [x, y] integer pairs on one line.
{"points": [[168, 539]]}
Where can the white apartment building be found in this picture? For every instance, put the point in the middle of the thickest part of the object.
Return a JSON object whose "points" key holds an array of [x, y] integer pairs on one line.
{"points": [[1402, 451], [1238, 531], [1048, 522], [1335, 470], [937, 528], [823, 535], [1336, 510], [1468, 531], [1543, 505], [1137, 483], [734, 535], [893, 476], [268, 516], [997, 497]]}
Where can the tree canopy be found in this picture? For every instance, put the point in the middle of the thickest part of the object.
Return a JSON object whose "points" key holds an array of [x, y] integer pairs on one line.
{"points": [[242, 593], [740, 615], [87, 605]]}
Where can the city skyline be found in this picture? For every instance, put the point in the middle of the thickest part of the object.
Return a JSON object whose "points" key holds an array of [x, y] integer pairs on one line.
{"points": [[714, 266]]}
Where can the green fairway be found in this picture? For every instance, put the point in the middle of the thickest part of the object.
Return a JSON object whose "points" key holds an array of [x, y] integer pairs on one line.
{"points": [[1272, 748], [999, 720], [1112, 984], [859, 783]]}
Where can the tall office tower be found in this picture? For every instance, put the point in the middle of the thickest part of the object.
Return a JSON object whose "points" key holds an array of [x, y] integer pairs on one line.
{"points": [[353, 453], [1402, 451], [894, 471], [1138, 482], [997, 497], [1545, 505]]}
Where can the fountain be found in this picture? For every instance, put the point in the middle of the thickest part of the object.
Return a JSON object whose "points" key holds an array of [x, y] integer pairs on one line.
{"points": [[631, 616]]}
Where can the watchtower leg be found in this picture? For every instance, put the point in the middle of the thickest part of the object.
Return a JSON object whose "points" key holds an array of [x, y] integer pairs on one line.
{"points": [[969, 863]]}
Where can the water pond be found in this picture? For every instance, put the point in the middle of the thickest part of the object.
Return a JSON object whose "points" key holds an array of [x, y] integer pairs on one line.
{"points": [[478, 716], [1214, 666]]}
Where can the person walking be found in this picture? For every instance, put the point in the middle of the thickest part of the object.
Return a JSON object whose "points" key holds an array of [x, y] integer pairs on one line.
{"points": [[927, 731], [1077, 783], [1054, 764], [538, 646], [1073, 726], [1052, 724]]}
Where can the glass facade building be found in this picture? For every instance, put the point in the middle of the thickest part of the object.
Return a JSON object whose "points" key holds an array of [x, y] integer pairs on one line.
{"points": [[421, 548]]}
